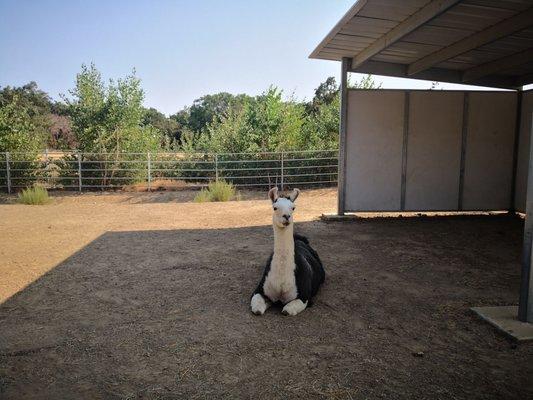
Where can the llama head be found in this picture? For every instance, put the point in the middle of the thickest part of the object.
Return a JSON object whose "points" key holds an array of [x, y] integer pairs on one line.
{"points": [[283, 207]]}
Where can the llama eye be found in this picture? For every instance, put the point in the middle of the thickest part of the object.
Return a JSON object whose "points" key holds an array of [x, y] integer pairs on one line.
{"points": [[293, 208], [275, 208]]}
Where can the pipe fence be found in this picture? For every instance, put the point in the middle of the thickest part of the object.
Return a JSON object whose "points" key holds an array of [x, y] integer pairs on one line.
{"points": [[70, 170]]}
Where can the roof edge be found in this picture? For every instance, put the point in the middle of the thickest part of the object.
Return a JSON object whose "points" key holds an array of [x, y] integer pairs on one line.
{"points": [[338, 26]]}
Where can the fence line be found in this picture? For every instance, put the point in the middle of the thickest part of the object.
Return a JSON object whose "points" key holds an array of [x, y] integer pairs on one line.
{"points": [[72, 170]]}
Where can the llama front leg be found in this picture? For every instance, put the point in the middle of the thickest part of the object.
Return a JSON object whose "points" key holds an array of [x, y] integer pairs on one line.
{"points": [[294, 307], [259, 304]]}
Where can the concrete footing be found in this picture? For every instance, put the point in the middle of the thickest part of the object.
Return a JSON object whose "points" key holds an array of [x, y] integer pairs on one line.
{"points": [[337, 217], [505, 320]]}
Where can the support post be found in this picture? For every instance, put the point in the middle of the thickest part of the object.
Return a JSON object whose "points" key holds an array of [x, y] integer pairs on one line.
{"points": [[79, 173], [341, 196], [525, 306], [282, 166], [46, 161], [149, 162], [216, 167], [8, 174], [512, 206], [404, 149], [464, 137]]}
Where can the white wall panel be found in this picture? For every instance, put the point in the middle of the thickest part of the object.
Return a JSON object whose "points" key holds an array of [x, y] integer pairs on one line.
{"points": [[489, 151], [374, 138], [434, 150], [374, 150]]}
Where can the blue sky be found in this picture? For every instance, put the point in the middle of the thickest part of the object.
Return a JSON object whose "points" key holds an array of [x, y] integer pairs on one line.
{"points": [[180, 49]]}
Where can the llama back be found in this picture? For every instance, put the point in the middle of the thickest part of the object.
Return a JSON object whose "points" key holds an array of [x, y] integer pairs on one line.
{"points": [[304, 239], [312, 257]]}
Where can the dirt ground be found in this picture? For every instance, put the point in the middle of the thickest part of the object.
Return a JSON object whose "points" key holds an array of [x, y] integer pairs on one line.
{"points": [[129, 296]]}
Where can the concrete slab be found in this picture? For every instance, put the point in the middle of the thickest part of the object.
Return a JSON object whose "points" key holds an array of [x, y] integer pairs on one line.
{"points": [[337, 217], [505, 320]]}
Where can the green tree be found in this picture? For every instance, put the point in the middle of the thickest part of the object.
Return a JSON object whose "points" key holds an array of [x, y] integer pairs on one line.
{"points": [[18, 131], [109, 119], [205, 109], [320, 130], [167, 126], [28, 108], [266, 123]]}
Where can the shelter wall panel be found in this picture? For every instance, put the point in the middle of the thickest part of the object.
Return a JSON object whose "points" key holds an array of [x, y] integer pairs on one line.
{"points": [[489, 151], [523, 151], [374, 139], [434, 150]]}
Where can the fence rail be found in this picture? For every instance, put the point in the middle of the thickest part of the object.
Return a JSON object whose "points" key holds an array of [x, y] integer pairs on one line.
{"points": [[71, 170]]}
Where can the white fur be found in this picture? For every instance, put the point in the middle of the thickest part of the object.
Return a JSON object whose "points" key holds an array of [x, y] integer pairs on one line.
{"points": [[258, 304], [294, 307], [280, 283]]}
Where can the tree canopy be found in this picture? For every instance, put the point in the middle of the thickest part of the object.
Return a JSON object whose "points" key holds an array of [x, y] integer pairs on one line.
{"points": [[109, 117]]}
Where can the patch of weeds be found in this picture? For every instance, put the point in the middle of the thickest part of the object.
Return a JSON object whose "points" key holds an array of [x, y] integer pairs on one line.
{"points": [[36, 195], [217, 191]]}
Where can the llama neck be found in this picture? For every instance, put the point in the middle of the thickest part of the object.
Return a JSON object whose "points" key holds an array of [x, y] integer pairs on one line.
{"points": [[284, 243]]}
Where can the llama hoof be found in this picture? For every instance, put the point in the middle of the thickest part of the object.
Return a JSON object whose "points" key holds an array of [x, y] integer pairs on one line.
{"points": [[258, 304], [294, 307]]}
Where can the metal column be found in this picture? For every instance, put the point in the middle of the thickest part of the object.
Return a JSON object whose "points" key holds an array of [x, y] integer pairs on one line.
{"points": [[149, 162], [464, 137], [216, 167], [404, 148], [79, 173], [525, 307], [341, 196], [282, 157], [8, 174]]}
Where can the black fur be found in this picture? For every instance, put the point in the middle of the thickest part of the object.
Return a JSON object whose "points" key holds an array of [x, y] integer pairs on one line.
{"points": [[309, 271]]}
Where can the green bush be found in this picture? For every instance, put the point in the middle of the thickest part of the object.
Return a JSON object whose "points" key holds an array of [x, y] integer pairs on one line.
{"points": [[217, 191], [35, 195]]}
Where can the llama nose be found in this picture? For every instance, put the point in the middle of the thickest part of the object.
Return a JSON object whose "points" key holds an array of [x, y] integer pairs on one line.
{"points": [[287, 217]]}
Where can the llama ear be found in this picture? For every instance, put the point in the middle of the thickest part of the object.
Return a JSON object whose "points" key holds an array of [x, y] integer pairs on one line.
{"points": [[273, 194], [294, 195]]}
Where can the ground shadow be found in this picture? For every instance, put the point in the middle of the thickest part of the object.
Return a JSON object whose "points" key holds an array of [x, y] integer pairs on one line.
{"points": [[164, 314]]}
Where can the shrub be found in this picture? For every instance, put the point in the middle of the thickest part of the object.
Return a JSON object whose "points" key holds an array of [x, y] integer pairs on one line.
{"points": [[217, 191], [34, 195]]}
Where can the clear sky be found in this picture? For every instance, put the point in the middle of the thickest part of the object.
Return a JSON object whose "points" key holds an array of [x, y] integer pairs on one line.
{"points": [[181, 49]]}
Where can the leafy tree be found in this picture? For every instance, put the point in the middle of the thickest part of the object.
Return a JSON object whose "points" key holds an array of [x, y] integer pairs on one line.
{"points": [[167, 126], [366, 82], [266, 123], [109, 119], [207, 109], [29, 96], [18, 131], [26, 107], [321, 127], [326, 93]]}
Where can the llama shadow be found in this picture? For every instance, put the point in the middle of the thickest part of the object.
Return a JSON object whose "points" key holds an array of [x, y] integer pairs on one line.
{"points": [[165, 314]]}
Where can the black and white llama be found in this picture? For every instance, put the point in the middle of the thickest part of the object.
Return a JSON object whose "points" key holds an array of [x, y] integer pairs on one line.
{"points": [[293, 272]]}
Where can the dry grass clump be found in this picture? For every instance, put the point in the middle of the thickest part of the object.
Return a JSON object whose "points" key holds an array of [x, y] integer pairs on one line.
{"points": [[157, 185], [36, 195], [217, 191]]}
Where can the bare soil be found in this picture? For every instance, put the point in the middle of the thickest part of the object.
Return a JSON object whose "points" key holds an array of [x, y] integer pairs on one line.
{"points": [[146, 295]]}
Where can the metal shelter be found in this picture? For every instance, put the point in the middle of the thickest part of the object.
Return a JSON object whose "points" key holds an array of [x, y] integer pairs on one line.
{"points": [[414, 150]]}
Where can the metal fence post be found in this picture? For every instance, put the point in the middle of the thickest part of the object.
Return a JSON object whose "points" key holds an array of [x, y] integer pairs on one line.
{"points": [[282, 162], [216, 167], [79, 173], [8, 174], [149, 172]]}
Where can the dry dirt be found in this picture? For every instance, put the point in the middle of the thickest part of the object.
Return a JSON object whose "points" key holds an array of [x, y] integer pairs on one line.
{"points": [[145, 295]]}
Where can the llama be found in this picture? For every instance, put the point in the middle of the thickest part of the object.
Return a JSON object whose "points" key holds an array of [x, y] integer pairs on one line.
{"points": [[294, 272]]}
